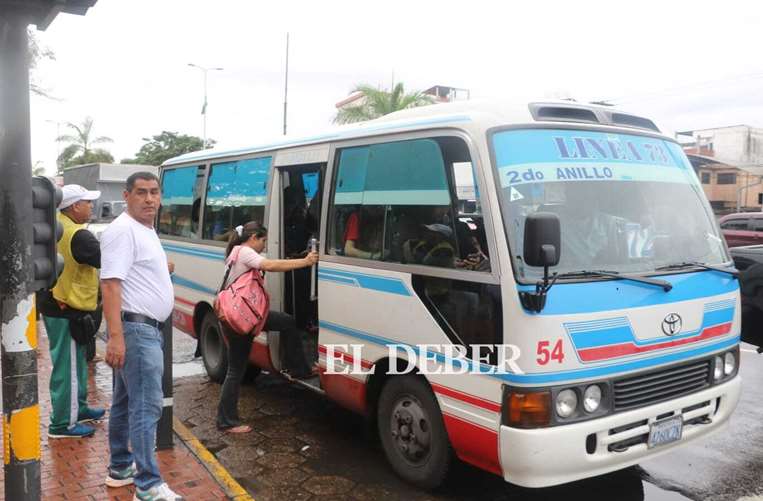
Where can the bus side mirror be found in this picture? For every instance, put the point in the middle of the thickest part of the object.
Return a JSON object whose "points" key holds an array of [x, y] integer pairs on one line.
{"points": [[543, 239]]}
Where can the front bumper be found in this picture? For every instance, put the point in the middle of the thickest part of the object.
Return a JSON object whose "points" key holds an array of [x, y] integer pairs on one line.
{"points": [[556, 455]]}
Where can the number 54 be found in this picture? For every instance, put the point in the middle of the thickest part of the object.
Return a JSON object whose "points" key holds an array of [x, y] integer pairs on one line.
{"points": [[544, 355]]}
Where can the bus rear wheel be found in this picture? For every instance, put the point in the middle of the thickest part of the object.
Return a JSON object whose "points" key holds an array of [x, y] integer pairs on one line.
{"points": [[412, 431], [214, 353]]}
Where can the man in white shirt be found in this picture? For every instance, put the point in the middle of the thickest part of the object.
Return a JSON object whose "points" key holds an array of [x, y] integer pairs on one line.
{"points": [[137, 299]]}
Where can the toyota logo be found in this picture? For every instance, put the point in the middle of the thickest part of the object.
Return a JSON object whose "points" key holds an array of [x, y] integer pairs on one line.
{"points": [[671, 325]]}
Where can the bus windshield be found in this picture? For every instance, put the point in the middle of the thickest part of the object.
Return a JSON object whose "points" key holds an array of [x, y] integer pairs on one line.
{"points": [[626, 203]]}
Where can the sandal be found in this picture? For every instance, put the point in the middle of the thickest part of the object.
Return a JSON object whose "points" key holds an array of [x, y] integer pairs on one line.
{"points": [[243, 428]]}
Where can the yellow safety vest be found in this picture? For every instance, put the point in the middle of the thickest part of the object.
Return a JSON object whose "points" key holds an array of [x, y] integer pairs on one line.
{"points": [[77, 286]]}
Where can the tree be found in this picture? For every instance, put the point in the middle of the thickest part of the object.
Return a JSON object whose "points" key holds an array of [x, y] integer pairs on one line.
{"points": [[80, 148], [38, 169], [35, 54], [165, 146], [377, 103]]}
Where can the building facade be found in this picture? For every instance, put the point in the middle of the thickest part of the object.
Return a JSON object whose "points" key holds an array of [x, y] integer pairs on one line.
{"points": [[729, 164]]}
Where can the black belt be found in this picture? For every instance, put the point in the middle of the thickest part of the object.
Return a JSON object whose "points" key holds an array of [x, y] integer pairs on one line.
{"points": [[141, 319]]}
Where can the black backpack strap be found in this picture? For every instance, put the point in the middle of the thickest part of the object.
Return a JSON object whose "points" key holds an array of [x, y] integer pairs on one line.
{"points": [[225, 278], [227, 272]]}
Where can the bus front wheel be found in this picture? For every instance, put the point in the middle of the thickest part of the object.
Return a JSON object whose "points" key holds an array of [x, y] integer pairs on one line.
{"points": [[412, 431], [214, 353]]}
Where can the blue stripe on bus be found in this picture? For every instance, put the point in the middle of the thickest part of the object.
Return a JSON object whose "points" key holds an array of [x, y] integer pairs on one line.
{"points": [[551, 377], [596, 337], [372, 282], [190, 284], [325, 137], [608, 295], [339, 280], [206, 254]]}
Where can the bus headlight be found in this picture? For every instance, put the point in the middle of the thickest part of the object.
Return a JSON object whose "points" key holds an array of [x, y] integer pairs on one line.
{"points": [[718, 368], [592, 398], [729, 363], [566, 403]]}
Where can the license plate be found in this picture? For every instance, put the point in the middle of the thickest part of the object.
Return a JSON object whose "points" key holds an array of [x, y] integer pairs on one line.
{"points": [[665, 431]]}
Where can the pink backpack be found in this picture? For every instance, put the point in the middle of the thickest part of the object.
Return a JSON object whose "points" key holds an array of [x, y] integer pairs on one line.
{"points": [[244, 304]]}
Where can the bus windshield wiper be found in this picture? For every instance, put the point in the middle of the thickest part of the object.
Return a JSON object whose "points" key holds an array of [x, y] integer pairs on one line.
{"points": [[666, 286], [695, 264]]}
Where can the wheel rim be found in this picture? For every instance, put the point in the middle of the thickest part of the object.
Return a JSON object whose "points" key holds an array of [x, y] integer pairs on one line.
{"points": [[411, 430], [212, 345]]}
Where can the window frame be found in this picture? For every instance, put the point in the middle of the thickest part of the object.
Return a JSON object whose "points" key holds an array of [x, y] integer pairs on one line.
{"points": [[718, 178], [488, 277], [493, 166], [204, 165], [222, 160], [702, 177]]}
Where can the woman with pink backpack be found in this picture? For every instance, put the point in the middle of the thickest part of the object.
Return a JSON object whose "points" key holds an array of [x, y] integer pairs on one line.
{"points": [[242, 256]]}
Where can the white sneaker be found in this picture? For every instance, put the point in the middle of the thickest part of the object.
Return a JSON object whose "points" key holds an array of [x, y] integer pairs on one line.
{"points": [[161, 492], [119, 478]]}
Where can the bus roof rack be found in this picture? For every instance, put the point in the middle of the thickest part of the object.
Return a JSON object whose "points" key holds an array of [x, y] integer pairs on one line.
{"points": [[574, 112]]}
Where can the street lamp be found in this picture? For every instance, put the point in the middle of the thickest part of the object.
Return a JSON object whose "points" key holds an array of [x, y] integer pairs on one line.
{"points": [[204, 108]]}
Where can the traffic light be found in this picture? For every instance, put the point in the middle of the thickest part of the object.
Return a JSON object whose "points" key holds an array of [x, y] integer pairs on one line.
{"points": [[47, 230]]}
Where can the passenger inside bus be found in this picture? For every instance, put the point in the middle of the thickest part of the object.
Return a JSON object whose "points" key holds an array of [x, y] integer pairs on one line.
{"points": [[295, 221], [363, 232]]}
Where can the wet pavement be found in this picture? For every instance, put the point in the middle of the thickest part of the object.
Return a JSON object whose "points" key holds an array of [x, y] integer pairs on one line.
{"points": [[306, 447], [728, 464]]}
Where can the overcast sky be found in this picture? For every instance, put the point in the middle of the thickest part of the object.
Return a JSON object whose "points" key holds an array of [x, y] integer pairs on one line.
{"points": [[688, 65]]}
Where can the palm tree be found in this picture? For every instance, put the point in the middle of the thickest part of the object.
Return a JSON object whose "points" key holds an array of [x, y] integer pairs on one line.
{"points": [[377, 103], [80, 148]]}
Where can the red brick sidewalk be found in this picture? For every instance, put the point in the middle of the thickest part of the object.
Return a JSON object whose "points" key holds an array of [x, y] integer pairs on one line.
{"points": [[74, 469]]}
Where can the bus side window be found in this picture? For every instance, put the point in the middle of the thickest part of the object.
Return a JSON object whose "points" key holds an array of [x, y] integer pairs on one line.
{"points": [[236, 194], [181, 193], [380, 187], [469, 223]]}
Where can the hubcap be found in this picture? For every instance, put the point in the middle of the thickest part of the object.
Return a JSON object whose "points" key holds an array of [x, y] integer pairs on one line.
{"points": [[410, 429]]}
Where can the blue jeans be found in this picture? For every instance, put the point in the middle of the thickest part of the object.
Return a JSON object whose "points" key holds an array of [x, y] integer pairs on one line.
{"points": [[136, 404]]}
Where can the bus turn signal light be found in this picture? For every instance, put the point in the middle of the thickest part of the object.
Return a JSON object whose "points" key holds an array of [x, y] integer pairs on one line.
{"points": [[529, 410]]}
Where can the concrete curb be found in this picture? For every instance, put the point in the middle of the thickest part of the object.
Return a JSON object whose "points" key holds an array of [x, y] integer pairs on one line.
{"points": [[232, 488]]}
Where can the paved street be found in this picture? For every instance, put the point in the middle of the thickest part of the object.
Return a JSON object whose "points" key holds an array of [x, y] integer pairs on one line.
{"points": [[305, 447]]}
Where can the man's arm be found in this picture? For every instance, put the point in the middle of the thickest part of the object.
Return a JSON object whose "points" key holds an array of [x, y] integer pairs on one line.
{"points": [[111, 289], [86, 249]]}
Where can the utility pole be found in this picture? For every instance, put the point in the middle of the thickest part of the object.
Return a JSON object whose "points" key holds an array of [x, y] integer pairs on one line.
{"points": [[286, 83], [18, 329]]}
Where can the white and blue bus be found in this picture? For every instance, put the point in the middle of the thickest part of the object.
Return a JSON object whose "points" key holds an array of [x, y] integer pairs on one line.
{"points": [[576, 235]]}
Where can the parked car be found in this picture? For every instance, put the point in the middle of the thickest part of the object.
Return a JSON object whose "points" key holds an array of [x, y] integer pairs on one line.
{"points": [[744, 228], [749, 261]]}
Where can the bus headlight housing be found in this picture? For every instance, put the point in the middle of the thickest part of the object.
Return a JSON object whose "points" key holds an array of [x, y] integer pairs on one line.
{"points": [[725, 365], [592, 398], [527, 409], [718, 369], [566, 403], [729, 363]]}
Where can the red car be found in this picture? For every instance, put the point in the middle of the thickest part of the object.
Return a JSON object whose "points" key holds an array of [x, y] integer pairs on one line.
{"points": [[744, 228]]}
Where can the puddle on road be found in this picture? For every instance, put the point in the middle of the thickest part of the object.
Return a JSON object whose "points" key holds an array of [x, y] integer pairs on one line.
{"points": [[194, 368], [654, 493]]}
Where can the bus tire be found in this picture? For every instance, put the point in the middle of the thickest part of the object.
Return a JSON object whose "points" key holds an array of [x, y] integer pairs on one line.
{"points": [[412, 431], [214, 353]]}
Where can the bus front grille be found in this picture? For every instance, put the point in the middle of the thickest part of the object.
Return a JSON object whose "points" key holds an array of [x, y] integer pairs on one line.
{"points": [[657, 386]]}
